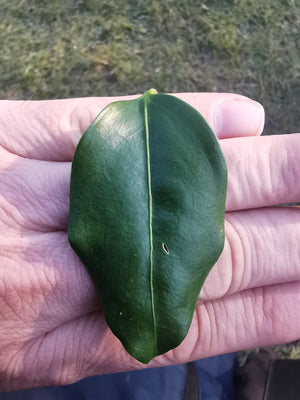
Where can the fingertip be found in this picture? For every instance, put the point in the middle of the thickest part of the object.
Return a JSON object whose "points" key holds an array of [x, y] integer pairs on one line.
{"points": [[237, 117]]}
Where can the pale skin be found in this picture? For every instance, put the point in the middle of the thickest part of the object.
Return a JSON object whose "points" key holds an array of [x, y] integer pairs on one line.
{"points": [[52, 329]]}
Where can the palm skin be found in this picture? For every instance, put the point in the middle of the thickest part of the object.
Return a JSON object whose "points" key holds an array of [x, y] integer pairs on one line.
{"points": [[52, 329]]}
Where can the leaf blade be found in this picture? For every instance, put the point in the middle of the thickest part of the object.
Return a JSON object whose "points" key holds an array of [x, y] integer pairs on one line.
{"points": [[144, 192]]}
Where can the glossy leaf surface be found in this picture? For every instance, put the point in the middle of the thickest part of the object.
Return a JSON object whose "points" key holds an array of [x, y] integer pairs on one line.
{"points": [[147, 201]]}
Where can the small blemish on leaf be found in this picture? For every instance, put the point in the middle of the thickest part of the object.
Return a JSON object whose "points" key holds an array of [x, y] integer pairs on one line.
{"points": [[165, 247]]}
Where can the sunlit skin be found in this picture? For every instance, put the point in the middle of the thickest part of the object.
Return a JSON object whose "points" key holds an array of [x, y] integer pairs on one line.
{"points": [[52, 329]]}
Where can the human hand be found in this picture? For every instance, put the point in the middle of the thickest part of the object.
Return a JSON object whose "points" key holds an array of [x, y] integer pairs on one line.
{"points": [[52, 329]]}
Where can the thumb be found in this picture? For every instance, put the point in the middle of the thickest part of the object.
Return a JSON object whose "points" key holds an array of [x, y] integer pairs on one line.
{"points": [[229, 115]]}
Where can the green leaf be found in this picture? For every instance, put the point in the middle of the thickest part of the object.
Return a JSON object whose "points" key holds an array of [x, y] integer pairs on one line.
{"points": [[148, 188]]}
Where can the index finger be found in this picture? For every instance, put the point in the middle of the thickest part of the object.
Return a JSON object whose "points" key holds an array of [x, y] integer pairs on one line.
{"points": [[50, 130]]}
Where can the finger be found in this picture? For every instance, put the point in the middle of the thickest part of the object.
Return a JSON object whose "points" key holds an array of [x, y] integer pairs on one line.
{"points": [[74, 350], [50, 130], [262, 248], [85, 346], [41, 278], [229, 115], [256, 317], [262, 171], [34, 194]]}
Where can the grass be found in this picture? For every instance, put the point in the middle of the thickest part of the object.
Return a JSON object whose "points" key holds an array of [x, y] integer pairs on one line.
{"points": [[74, 48], [70, 48]]}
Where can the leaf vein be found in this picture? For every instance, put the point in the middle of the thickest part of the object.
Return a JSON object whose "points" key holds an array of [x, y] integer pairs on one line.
{"points": [[150, 215]]}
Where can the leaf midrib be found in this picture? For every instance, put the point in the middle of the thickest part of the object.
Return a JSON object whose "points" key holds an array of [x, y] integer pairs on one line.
{"points": [[150, 216]]}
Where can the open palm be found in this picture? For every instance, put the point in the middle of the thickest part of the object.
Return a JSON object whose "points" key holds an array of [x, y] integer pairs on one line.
{"points": [[52, 329]]}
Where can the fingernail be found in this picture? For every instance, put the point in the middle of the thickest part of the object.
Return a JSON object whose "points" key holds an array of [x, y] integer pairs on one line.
{"points": [[240, 117]]}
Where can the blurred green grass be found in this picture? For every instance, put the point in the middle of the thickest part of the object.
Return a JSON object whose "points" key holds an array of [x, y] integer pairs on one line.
{"points": [[74, 48]]}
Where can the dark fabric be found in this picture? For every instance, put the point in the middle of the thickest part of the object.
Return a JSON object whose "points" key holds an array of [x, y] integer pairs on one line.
{"points": [[250, 379], [158, 383], [263, 377], [214, 377], [283, 380], [191, 386]]}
